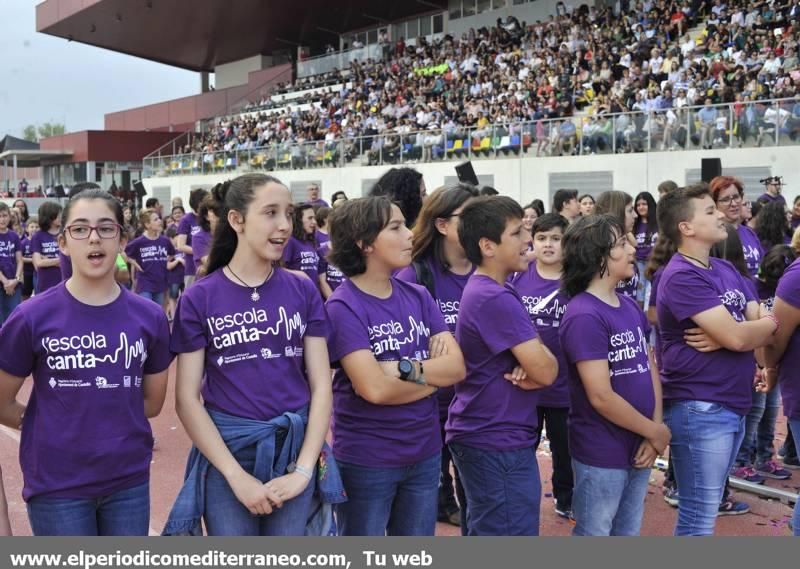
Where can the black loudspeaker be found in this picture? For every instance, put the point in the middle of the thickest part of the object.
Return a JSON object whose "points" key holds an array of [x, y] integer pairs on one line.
{"points": [[138, 187], [710, 168], [466, 173]]}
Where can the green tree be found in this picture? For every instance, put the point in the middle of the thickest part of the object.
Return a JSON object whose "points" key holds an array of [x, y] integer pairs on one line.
{"points": [[50, 129], [35, 133], [29, 133]]}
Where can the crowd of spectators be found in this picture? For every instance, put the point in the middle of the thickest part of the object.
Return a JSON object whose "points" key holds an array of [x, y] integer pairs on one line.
{"points": [[588, 61]]}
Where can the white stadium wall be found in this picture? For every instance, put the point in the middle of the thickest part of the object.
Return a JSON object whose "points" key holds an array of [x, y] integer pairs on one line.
{"points": [[528, 178]]}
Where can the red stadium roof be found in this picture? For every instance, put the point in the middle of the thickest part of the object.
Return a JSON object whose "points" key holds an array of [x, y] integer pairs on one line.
{"points": [[201, 34]]}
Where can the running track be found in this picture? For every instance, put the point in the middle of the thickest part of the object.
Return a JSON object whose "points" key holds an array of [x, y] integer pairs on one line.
{"points": [[766, 518]]}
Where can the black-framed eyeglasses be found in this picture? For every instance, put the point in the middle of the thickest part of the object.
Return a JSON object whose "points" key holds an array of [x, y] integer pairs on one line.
{"points": [[730, 199], [82, 231]]}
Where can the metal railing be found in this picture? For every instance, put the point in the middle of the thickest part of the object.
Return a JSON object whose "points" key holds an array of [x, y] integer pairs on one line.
{"points": [[338, 60], [735, 125]]}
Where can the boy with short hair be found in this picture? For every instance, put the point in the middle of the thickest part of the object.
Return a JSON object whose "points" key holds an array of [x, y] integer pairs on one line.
{"points": [[492, 423], [707, 392], [539, 289]]}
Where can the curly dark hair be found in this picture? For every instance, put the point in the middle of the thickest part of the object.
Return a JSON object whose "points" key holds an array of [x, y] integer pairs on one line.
{"points": [[402, 186], [772, 227], [774, 264], [354, 225], [587, 245]]}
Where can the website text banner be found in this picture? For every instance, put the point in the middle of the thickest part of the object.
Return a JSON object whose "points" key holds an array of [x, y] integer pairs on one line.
{"points": [[392, 553]]}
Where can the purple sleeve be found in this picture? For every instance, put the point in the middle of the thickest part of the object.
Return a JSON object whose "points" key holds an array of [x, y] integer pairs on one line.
{"points": [[36, 244], [654, 288], [185, 226], [158, 354], [170, 248], [132, 249], [348, 333], [322, 261], [17, 357], [507, 323], [407, 274], [584, 337], [316, 322], [188, 329], [789, 287], [686, 294]]}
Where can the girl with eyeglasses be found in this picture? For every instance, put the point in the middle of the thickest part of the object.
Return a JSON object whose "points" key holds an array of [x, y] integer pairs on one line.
{"points": [[99, 357]]}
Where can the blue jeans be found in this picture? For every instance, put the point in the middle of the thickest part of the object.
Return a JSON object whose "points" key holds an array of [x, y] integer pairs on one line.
{"points": [[390, 501], [157, 297], [225, 515], [608, 501], [503, 490], [705, 440], [643, 292], [757, 445], [126, 512], [9, 303], [794, 424]]}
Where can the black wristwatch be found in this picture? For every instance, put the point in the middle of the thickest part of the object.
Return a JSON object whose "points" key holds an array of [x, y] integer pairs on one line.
{"points": [[406, 368]]}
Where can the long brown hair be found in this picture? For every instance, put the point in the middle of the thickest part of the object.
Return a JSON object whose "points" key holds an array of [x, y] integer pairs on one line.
{"points": [[428, 242]]}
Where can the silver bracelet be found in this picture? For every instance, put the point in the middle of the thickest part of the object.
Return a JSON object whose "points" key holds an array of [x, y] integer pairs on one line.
{"points": [[304, 471]]}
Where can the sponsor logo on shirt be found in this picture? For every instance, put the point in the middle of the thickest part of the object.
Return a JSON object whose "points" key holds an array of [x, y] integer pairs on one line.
{"points": [[248, 326], [449, 309], [7, 249], [102, 383], [267, 354], [390, 336], [87, 350], [626, 346], [153, 253], [549, 306], [735, 301]]}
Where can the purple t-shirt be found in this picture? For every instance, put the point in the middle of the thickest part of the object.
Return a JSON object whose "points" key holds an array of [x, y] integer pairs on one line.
{"points": [[652, 304], [396, 327], [85, 434], [447, 290], [46, 245], [629, 286], [188, 226], [201, 246], [10, 245], [333, 276], [27, 253], [152, 256], [643, 245], [65, 266], [319, 202], [302, 256], [769, 198], [321, 238], [593, 330], [546, 306], [175, 275], [753, 250], [488, 411], [722, 376], [254, 362], [789, 370]]}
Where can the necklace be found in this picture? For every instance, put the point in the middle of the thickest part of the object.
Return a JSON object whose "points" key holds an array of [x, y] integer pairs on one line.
{"points": [[705, 265], [254, 296]]}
